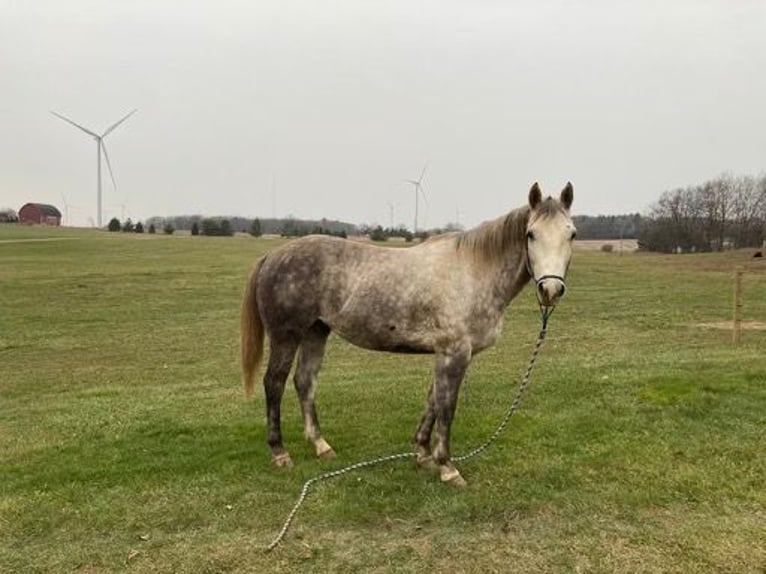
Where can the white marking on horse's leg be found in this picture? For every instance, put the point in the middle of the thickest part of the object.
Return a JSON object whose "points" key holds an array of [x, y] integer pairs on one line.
{"points": [[323, 449], [309, 363], [423, 458], [426, 463], [449, 372], [450, 475], [282, 460]]}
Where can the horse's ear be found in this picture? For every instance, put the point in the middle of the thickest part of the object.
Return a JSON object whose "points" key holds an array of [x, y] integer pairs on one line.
{"points": [[567, 195], [535, 195]]}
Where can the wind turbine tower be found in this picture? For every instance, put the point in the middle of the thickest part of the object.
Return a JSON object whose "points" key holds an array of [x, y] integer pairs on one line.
{"points": [[67, 221], [418, 185], [99, 147]]}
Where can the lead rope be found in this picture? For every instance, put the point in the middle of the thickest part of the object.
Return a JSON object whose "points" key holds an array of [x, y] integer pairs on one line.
{"points": [[545, 313]]}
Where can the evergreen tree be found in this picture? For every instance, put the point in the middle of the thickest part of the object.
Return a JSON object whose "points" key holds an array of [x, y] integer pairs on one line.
{"points": [[114, 224]]}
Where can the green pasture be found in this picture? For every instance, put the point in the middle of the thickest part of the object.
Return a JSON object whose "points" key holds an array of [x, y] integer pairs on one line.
{"points": [[126, 443]]}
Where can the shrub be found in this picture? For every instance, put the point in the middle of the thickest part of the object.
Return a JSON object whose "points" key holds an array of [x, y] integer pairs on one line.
{"points": [[255, 228], [152, 229], [139, 228], [168, 229], [607, 248], [127, 227], [212, 226], [377, 234], [195, 228], [114, 224]]}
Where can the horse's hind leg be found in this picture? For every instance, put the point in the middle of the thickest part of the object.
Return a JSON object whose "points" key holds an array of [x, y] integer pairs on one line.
{"points": [[281, 358], [423, 434], [309, 362]]}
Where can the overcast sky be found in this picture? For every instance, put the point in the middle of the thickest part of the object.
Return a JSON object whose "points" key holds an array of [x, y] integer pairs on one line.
{"points": [[321, 108]]}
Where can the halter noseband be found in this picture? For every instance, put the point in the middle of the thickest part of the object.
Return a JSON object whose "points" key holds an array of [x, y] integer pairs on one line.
{"points": [[544, 277]]}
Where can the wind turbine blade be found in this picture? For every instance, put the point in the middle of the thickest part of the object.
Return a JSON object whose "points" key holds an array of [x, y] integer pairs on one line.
{"points": [[114, 126], [108, 164], [412, 181], [422, 173], [67, 120]]}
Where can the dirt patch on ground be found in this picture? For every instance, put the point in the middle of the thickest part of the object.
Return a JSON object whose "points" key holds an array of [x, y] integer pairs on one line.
{"points": [[729, 325]]}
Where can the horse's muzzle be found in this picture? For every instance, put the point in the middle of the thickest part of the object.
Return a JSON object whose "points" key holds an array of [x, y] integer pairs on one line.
{"points": [[550, 288]]}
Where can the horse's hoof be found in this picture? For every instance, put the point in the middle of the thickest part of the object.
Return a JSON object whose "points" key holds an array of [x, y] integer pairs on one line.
{"points": [[282, 460], [324, 450], [426, 462], [450, 475], [328, 454]]}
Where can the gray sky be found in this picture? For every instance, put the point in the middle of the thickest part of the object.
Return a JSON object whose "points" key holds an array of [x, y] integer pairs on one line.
{"points": [[338, 101]]}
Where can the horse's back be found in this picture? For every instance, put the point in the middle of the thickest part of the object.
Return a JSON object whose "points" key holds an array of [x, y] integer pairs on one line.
{"points": [[305, 279], [375, 297]]}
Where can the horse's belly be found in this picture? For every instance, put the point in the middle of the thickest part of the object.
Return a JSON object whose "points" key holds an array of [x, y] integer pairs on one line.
{"points": [[384, 337]]}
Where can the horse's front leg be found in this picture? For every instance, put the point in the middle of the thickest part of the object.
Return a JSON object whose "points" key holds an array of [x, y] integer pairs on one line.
{"points": [[449, 372]]}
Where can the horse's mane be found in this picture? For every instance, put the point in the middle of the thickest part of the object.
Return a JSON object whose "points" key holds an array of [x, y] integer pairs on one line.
{"points": [[491, 240]]}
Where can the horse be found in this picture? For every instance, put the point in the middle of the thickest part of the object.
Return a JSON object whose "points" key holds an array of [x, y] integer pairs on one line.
{"points": [[445, 296]]}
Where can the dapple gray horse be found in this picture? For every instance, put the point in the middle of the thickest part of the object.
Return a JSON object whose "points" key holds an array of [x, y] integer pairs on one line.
{"points": [[445, 296]]}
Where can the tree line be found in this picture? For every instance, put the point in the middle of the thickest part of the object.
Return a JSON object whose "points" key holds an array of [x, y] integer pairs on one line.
{"points": [[725, 212], [288, 227]]}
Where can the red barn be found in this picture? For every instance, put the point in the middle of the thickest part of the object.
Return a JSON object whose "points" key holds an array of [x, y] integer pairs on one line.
{"points": [[39, 213]]}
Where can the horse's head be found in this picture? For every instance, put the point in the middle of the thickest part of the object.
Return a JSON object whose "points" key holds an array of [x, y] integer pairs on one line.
{"points": [[549, 242]]}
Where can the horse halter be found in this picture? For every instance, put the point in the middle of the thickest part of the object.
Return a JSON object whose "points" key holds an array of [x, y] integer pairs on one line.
{"points": [[539, 280], [559, 277]]}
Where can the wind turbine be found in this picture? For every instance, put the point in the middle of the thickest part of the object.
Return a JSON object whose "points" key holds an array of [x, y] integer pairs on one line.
{"points": [[66, 209], [273, 195], [123, 208], [418, 185], [99, 147]]}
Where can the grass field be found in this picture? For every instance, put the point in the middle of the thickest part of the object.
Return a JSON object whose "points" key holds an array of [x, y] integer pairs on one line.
{"points": [[126, 443]]}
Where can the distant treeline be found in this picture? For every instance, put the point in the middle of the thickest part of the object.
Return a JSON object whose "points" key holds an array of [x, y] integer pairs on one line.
{"points": [[588, 227], [725, 212], [607, 226], [289, 226]]}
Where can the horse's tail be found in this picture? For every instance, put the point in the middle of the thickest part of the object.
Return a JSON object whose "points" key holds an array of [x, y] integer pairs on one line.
{"points": [[251, 332]]}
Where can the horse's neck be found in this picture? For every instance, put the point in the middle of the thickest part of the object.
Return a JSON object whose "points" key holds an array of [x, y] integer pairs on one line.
{"points": [[508, 270], [511, 275]]}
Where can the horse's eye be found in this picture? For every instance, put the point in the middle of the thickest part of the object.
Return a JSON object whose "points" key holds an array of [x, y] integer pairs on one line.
{"points": [[530, 236]]}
